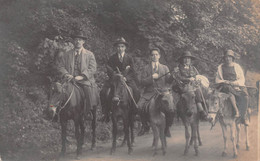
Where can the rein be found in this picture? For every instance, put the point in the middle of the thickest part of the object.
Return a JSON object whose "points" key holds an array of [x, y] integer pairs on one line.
{"points": [[66, 102]]}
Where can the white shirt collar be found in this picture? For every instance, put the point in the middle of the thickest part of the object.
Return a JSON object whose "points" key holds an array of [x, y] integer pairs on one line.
{"points": [[80, 50], [123, 54], [155, 64]]}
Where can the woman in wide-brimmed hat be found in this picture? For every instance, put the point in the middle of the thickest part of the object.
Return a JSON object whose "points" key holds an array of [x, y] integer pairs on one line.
{"points": [[186, 73], [230, 77]]}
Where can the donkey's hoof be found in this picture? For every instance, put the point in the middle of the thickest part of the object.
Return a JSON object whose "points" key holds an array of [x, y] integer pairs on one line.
{"points": [[112, 151], [237, 146], [247, 148], [77, 157], [235, 156], [164, 152], [130, 151], [62, 154], [185, 152], [224, 154], [197, 153], [123, 144], [93, 147]]}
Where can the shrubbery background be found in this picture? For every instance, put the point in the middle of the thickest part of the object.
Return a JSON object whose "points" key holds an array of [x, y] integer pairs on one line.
{"points": [[32, 31]]}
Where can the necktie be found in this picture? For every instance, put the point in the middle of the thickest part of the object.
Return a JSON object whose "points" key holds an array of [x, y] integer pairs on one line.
{"points": [[120, 58], [155, 68]]}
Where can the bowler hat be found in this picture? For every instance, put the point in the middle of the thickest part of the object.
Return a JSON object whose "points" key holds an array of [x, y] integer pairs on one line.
{"points": [[120, 41], [79, 34], [229, 53], [186, 54]]}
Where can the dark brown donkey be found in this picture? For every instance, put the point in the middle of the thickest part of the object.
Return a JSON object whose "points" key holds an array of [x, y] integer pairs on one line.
{"points": [[68, 98], [122, 107], [189, 115]]}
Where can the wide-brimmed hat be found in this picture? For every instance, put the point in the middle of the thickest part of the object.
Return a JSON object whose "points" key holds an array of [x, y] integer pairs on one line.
{"points": [[186, 54], [120, 40], [79, 34], [229, 53]]}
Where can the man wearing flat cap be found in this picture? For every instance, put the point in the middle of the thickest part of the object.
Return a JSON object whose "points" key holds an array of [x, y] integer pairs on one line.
{"points": [[80, 64], [154, 77], [231, 80], [186, 73], [124, 63]]}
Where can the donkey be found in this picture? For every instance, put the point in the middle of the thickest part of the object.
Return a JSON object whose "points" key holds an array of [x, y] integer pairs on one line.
{"points": [[67, 97], [122, 107], [187, 110], [160, 104], [220, 109]]}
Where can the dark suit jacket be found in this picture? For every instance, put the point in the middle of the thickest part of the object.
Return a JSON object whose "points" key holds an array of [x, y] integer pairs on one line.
{"points": [[150, 84], [114, 62], [87, 65]]}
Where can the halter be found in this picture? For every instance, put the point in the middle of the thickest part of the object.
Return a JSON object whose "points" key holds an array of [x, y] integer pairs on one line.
{"points": [[67, 99]]}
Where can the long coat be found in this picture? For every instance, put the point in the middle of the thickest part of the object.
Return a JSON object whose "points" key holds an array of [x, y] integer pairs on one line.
{"points": [[150, 84], [87, 67]]}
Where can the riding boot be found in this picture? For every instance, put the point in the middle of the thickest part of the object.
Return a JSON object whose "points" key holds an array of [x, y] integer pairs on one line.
{"points": [[234, 105], [145, 128], [203, 114]]}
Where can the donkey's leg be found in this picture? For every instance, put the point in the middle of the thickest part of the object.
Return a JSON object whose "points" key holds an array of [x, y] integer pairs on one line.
{"points": [[156, 138], [82, 133], [198, 133], [162, 137], [232, 133], [247, 141], [194, 137], [93, 125], [77, 136], [238, 134], [224, 131], [114, 133], [63, 137], [187, 137], [126, 130], [132, 131]]}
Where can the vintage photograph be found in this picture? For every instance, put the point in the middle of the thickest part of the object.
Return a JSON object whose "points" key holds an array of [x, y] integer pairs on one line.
{"points": [[129, 80]]}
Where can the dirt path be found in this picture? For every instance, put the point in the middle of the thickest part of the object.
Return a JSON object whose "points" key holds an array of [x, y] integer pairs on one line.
{"points": [[210, 150]]}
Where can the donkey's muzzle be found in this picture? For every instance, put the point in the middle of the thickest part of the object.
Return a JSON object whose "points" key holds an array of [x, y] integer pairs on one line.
{"points": [[115, 99]]}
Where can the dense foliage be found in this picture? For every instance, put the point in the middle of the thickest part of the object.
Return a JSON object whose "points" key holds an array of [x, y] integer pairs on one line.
{"points": [[32, 31]]}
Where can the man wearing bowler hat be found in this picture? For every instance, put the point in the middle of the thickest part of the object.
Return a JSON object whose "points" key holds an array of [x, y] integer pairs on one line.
{"points": [[231, 80], [124, 63], [80, 64]]}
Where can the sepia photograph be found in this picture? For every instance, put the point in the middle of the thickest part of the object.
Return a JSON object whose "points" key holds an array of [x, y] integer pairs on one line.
{"points": [[129, 80]]}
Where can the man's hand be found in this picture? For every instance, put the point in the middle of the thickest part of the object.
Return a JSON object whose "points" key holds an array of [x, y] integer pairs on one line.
{"points": [[127, 67], [192, 79], [68, 77], [155, 76], [125, 79], [78, 78]]}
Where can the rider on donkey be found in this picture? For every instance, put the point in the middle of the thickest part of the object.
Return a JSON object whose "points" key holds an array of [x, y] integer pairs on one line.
{"points": [[186, 73], [151, 80], [124, 63], [80, 64], [231, 80]]}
